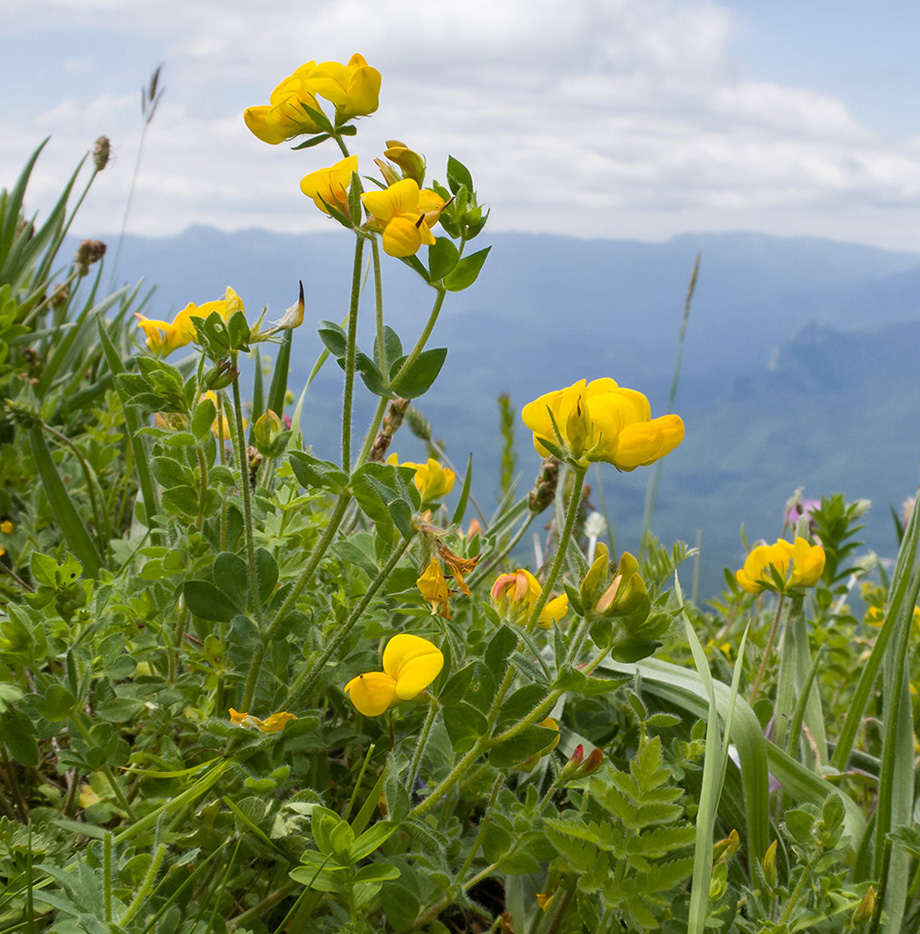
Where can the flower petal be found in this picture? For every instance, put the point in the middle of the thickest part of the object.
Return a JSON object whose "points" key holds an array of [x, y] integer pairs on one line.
{"points": [[372, 693]]}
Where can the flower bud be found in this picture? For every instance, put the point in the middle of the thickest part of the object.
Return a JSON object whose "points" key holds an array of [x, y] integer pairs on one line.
{"points": [[221, 375], [866, 908], [544, 489], [88, 252], [267, 427], [596, 577], [769, 866], [528, 764], [627, 591], [411, 163]]}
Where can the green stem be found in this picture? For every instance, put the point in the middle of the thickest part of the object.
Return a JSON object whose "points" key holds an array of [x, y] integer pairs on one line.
{"points": [[306, 681], [420, 745], [146, 886], [378, 307], [423, 337], [797, 892], [372, 431], [766, 652], [106, 769], [562, 546], [350, 352], [243, 464], [107, 876]]}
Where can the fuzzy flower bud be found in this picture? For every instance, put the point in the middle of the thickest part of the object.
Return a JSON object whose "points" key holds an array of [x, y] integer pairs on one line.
{"points": [[102, 152], [88, 252], [866, 908]]}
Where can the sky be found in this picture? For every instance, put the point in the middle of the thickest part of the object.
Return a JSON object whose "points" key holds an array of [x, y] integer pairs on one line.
{"points": [[635, 119]]}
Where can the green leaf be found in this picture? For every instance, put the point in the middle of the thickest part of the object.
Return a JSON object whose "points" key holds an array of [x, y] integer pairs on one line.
{"points": [[278, 387], [456, 685], [527, 743], [203, 419], [458, 174], [231, 577], [387, 495], [372, 839], [376, 872], [180, 500], [43, 568], [333, 337], [420, 376], [266, 573], [518, 706], [467, 271], [499, 650], [55, 702], [19, 734], [209, 602], [465, 724], [317, 474], [442, 258]]}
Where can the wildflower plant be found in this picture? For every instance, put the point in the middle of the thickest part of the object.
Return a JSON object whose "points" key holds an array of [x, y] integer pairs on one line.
{"points": [[244, 687]]}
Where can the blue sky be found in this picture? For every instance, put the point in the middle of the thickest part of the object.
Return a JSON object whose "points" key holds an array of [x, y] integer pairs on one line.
{"points": [[617, 118]]}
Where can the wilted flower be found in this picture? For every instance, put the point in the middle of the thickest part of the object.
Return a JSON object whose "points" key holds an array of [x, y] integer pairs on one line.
{"points": [[433, 587], [293, 317], [405, 214], [432, 480], [410, 664], [600, 421], [458, 565], [273, 724], [329, 186], [517, 595], [800, 565]]}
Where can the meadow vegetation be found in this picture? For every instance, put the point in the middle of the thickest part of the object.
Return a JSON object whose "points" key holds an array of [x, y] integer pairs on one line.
{"points": [[243, 688]]}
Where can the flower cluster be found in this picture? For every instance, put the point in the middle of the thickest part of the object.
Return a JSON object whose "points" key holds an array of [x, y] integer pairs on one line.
{"points": [[782, 567], [601, 421], [293, 108]]}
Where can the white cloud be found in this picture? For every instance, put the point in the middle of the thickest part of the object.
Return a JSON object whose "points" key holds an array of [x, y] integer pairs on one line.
{"points": [[590, 117]]}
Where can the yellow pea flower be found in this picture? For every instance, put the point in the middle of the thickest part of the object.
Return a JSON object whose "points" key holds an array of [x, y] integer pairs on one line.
{"points": [[353, 88], [329, 186], [284, 116], [273, 724], [405, 213], [163, 337], [410, 664], [601, 421], [432, 480], [517, 595], [7, 527], [226, 307], [433, 587], [799, 563]]}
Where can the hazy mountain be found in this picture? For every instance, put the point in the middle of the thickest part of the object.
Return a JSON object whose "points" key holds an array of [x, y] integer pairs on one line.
{"points": [[799, 367]]}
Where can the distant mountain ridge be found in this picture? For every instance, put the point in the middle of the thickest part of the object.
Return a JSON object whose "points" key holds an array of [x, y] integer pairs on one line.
{"points": [[799, 365]]}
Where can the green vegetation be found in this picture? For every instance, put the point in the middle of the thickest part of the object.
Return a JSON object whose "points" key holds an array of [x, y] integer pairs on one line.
{"points": [[245, 688]]}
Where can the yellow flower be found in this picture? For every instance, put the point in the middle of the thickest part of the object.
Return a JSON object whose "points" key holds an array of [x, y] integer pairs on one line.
{"points": [[284, 117], [405, 214], [518, 593], [432, 480], [433, 587], [353, 88], [163, 337], [410, 664], [6, 527], [799, 564], [273, 724], [226, 307], [329, 186], [216, 425], [601, 421]]}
